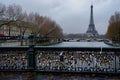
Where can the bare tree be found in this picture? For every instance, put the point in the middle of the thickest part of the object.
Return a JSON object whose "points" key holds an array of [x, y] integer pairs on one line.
{"points": [[13, 16]]}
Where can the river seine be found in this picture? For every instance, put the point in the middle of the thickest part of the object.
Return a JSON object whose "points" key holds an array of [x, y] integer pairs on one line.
{"points": [[81, 44]]}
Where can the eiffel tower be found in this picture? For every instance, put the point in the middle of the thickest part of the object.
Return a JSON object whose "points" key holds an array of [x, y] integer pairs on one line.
{"points": [[91, 29]]}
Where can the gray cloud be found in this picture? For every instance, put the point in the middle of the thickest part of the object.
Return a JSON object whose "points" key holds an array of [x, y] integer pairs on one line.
{"points": [[72, 15]]}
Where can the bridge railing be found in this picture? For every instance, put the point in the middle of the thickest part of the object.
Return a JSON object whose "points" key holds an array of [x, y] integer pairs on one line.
{"points": [[60, 59], [78, 59], [13, 58]]}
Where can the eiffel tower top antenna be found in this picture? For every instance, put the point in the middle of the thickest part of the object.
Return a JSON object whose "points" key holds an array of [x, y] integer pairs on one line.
{"points": [[91, 2]]}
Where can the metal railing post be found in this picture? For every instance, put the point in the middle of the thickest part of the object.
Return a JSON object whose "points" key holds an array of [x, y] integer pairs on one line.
{"points": [[31, 53], [115, 63]]}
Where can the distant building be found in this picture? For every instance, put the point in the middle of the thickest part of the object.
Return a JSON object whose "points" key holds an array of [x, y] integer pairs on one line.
{"points": [[92, 32], [12, 31]]}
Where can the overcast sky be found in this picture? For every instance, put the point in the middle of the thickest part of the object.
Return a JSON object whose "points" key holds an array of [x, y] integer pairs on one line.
{"points": [[72, 15]]}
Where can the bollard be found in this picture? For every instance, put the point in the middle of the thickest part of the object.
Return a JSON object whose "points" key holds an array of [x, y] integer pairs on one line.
{"points": [[31, 53]]}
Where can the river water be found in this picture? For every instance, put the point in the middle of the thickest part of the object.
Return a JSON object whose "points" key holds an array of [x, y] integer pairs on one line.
{"points": [[81, 44]]}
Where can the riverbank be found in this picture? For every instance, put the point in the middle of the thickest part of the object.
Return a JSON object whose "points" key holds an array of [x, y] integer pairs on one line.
{"points": [[113, 44], [47, 43], [25, 43], [14, 43]]}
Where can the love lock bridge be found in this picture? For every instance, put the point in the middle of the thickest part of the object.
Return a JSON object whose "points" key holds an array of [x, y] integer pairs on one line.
{"points": [[60, 59]]}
